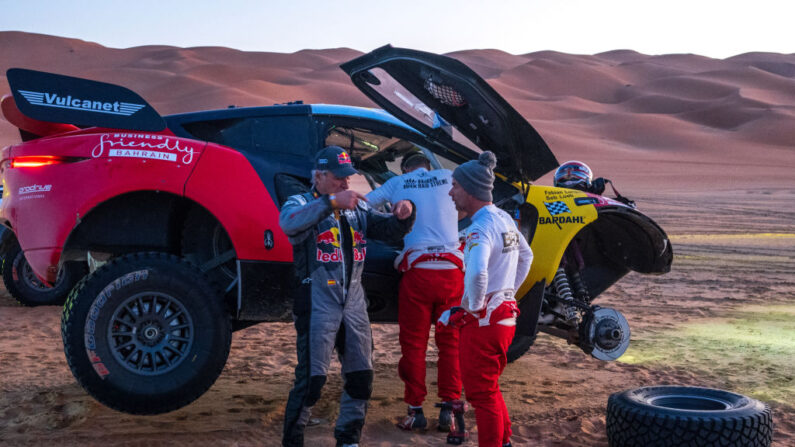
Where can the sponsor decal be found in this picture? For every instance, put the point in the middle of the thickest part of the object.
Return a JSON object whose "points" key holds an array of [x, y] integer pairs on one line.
{"points": [[357, 237], [343, 158], [34, 192], [329, 237], [510, 241], [332, 237], [471, 240], [34, 189], [557, 220], [556, 208], [424, 183], [51, 99], [97, 364], [581, 201], [143, 146], [552, 195], [154, 155], [336, 255]]}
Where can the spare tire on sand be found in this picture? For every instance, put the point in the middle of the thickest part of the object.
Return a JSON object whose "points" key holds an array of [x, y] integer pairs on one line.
{"points": [[687, 416]]}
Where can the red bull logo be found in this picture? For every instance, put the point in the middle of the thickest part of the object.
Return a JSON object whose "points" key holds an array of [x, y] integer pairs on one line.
{"points": [[336, 255], [358, 238], [344, 158], [329, 237]]}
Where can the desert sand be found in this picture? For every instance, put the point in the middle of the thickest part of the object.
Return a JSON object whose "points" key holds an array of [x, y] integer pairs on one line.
{"points": [[704, 146]]}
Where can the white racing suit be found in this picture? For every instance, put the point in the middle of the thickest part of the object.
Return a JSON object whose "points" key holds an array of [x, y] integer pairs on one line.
{"points": [[330, 308], [497, 260]]}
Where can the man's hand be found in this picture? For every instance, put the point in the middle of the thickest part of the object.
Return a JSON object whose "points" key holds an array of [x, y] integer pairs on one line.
{"points": [[402, 209], [347, 200], [454, 317]]}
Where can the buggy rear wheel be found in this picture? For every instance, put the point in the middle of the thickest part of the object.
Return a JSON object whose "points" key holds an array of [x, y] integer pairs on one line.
{"points": [[146, 333]]}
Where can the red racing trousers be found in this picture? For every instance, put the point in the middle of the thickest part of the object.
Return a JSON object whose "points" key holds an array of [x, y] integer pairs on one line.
{"points": [[483, 358], [424, 294]]}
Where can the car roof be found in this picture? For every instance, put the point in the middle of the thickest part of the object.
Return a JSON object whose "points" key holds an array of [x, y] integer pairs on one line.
{"points": [[290, 109]]}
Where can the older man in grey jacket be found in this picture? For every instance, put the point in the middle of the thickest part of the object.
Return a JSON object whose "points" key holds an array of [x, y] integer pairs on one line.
{"points": [[329, 228]]}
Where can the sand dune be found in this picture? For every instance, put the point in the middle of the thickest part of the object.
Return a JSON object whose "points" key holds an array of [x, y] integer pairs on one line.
{"points": [[614, 105]]}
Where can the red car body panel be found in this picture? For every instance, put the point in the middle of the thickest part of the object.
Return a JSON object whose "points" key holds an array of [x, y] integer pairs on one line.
{"points": [[99, 166], [240, 202]]}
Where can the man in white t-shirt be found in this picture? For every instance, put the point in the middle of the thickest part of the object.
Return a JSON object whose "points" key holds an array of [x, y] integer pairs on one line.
{"points": [[432, 282]]}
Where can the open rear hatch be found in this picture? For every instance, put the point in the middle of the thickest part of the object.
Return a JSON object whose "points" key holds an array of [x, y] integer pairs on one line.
{"points": [[47, 104], [450, 103]]}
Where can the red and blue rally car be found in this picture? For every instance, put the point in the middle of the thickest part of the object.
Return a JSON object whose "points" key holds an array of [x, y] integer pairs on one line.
{"points": [[176, 218]]}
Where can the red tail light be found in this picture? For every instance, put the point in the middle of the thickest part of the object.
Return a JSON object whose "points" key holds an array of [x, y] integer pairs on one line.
{"points": [[35, 161]]}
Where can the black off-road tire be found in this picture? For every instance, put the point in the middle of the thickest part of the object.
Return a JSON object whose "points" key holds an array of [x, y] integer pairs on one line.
{"points": [[28, 290], [675, 416], [519, 346], [145, 333]]}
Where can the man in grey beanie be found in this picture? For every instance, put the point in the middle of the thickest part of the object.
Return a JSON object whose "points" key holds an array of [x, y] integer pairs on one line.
{"points": [[476, 177], [497, 259]]}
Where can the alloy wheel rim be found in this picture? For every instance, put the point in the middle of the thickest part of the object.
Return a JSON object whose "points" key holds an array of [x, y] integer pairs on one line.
{"points": [[150, 333]]}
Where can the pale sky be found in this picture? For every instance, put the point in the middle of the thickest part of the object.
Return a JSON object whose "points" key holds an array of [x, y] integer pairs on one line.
{"points": [[708, 27]]}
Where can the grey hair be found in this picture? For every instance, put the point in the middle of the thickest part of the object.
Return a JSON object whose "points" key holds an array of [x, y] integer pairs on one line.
{"points": [[315, 172]]}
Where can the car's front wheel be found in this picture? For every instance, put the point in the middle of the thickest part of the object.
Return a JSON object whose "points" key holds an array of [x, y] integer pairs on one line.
{"points": [[145, 333]]}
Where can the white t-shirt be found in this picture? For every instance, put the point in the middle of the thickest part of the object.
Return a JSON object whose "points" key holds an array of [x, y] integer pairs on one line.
{"points": [[497, 259], [436, 227]]}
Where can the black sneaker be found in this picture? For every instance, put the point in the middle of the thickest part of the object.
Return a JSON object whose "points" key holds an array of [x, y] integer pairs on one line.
{"points": [[415, 420], [445, 417]]}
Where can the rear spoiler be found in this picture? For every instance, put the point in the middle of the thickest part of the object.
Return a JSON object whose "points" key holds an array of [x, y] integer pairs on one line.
{"points": [[30, 129], [55, 103]]}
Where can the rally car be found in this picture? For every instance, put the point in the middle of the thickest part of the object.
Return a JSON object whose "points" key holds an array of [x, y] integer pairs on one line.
{"points": [[176, 217]]}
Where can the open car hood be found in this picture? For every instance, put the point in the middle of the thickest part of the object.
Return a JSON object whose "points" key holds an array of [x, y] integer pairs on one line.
{"points": [[450, 103]]}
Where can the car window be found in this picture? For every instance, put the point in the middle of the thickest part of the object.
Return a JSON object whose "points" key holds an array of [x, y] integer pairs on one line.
{"points": [[284, 135]]}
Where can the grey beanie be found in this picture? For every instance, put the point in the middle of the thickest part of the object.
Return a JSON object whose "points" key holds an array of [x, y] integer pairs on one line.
{"points": [[477, 176]]}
